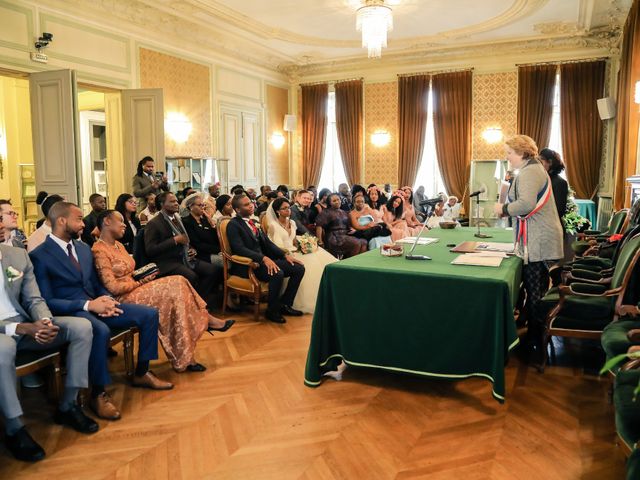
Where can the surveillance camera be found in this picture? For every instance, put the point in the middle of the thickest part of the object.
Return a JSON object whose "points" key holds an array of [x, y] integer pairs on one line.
{"points": [[40, 45], [47, 36]]}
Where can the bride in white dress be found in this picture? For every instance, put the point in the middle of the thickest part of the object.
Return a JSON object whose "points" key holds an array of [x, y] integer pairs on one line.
{"points": [[282, 231]]}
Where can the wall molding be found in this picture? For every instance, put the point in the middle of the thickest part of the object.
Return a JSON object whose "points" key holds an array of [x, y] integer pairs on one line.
{"points": [[28, 47]]}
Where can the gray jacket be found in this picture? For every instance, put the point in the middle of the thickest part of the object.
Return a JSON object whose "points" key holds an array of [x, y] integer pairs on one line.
{"points": [[142, 186], [22, 289], [544, 230]]}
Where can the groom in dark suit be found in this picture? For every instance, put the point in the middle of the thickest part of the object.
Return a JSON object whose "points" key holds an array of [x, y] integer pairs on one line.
{"points": [[69, 283], [247, 240], [27, 324]]}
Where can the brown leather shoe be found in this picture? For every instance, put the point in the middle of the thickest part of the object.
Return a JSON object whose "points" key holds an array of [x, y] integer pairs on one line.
{"points": [[104, 408], [149, 380]]}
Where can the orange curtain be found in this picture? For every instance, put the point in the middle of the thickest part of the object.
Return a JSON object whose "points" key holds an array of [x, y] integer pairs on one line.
{"points": [[314, 127], [349, 127], [581, 85], [535, 101], [413, 94], [452, 118], [627, 119]]}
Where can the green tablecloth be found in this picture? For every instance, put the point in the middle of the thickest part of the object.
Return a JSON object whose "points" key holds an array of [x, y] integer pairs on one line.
{"points": [[587, 209], [420, 317]]}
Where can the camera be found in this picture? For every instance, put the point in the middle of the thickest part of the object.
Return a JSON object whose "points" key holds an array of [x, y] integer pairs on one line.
{"points": [[44, 40], [159, 175]]}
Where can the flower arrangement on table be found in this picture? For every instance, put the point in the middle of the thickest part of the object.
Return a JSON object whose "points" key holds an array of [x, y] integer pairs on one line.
{"points": [[574, 222]]}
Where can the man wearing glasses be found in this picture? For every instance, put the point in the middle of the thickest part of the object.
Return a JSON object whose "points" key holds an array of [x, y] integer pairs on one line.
{"points": [[13, 236]]}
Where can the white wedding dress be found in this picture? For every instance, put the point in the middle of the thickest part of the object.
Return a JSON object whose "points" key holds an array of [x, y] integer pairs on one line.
{"points": [[314, 263]]}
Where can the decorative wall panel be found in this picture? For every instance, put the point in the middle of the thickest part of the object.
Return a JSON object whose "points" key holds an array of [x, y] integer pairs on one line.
{"points": [[277, 159], [381, 113], [495, 104], [186, 87]]}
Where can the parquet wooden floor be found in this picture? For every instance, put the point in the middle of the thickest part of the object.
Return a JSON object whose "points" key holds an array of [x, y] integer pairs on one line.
{"points": [[250, 417]]}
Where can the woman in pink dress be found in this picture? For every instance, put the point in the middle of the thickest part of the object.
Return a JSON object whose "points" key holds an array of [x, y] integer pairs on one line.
{"points": [[183, 313], [409, 212], [393, 217]]}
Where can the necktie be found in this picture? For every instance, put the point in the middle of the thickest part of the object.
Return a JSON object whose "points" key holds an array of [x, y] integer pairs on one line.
{"points": [[75, 262], [253, 227]]}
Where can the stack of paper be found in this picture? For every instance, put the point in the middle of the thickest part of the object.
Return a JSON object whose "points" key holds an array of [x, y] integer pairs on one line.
{"points": [[484, 259], [494, 247], [422, 241]]}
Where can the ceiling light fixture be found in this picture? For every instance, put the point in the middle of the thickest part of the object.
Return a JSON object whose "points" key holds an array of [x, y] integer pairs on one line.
{"points": [[374, 19]]}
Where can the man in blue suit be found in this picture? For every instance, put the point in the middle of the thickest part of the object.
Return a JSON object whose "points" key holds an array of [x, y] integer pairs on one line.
{"points": [[69, 283]]}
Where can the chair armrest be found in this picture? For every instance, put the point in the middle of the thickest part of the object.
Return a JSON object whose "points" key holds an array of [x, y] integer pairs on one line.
{"points": [[591, 267], [591, 233], [583, 289], [586, 274], [628, 310], [244, 261]]}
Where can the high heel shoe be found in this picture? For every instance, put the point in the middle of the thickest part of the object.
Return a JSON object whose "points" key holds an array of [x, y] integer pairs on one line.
{"points": [[196, 367], [227, 325]]}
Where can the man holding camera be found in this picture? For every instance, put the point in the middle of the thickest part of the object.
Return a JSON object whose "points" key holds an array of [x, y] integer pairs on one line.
{"points": [[146, 181]]}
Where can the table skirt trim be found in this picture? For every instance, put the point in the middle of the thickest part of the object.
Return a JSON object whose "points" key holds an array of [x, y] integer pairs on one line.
{"points": [[495, 394]]}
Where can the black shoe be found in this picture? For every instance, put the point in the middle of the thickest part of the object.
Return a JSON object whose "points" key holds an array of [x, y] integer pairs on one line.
{"points": [[275, 317], [76, 419], [196, 367], [227, 325], [23, 447], [292, 312]]}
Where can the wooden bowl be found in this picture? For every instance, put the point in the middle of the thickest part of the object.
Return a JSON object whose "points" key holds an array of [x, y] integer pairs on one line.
{"points": [[448, 225]]}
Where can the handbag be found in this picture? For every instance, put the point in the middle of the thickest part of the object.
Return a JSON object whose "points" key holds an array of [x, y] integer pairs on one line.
{"points": [[143, 272]]}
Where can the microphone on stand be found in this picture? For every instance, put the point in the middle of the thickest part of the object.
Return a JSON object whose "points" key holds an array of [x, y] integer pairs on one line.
{"points": [[431, 203], [477, 195]]}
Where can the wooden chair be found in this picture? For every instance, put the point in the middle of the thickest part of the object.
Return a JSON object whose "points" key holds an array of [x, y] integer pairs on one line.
{"points": [[249, 287], [583, 310], [124, 336], [28, 362]]}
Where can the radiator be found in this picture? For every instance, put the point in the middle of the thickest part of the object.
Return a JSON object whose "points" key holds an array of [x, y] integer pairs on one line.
{"points": [[605, 209]]}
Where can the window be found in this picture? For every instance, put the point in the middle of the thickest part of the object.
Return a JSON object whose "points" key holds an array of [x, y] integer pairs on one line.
{"points": [[429, 171], [332, 172], [555, 140]]}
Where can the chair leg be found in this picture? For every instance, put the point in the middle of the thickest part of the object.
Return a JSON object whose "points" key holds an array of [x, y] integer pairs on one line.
{"points": [[552, 348], [545, 345], [224, 300], [256, 307], [55, 381], [128, 354]]}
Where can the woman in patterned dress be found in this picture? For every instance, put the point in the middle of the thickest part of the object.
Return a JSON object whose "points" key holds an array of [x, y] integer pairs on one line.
{"points": [[183, 313]]}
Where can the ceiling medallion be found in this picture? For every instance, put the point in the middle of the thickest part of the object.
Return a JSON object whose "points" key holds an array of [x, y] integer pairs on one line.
{"points": [[374, 19]]}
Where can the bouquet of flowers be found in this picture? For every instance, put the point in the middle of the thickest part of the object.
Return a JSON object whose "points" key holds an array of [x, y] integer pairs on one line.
{"points": [[574, 222], [308, 243]]}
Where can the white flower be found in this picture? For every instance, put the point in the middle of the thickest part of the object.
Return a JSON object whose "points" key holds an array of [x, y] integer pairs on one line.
{"points": [[13, 274]]}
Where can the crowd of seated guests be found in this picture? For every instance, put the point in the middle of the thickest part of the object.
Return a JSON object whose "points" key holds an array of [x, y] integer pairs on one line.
{"points": [[77, 278]]}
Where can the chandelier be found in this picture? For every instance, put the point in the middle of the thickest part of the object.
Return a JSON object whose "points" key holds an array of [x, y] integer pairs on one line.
{"points": [[374, 20]]}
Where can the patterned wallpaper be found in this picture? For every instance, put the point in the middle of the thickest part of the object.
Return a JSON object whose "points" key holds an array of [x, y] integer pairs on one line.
{"points": [[495, 104], [381, 113], [186, 87]]}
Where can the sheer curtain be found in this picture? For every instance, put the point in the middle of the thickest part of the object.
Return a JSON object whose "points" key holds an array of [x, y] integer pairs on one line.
{"points": [[314, 126]]}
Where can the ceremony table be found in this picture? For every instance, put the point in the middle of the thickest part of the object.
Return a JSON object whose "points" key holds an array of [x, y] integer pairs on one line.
{"points": [[587, 209], [420, 317]]}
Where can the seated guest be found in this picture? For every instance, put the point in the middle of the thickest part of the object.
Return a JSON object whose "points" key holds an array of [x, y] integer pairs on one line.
{"points": [[375, 201], [26, 324], [182, 198], [410, 212], [333, 227], [150, 210], [251, 193], [320, 205], [345, 197], [203, 236], [438, 215], [210, 200], [98, 204], [367, 223], [126, 204], [282, 232], [40, 235], [301, 211], [451, 209], [69, 283], [13, 236], [356, 189], [183, 314], [146, 181], [271, 196], [417, 198], [223, 208], [283, 191], [167, 245], [264, 189], [387, 192], [247, 240], [394, 217]]}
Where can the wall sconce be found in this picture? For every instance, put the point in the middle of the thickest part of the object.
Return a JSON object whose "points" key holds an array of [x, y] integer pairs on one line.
{"points": [[636, 97], [178, 127], [380, 138], [277, 140], [492, 135], [289, 124]]}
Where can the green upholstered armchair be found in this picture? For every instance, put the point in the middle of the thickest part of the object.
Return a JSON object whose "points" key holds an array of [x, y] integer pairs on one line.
{"points": [[588, 241]]}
